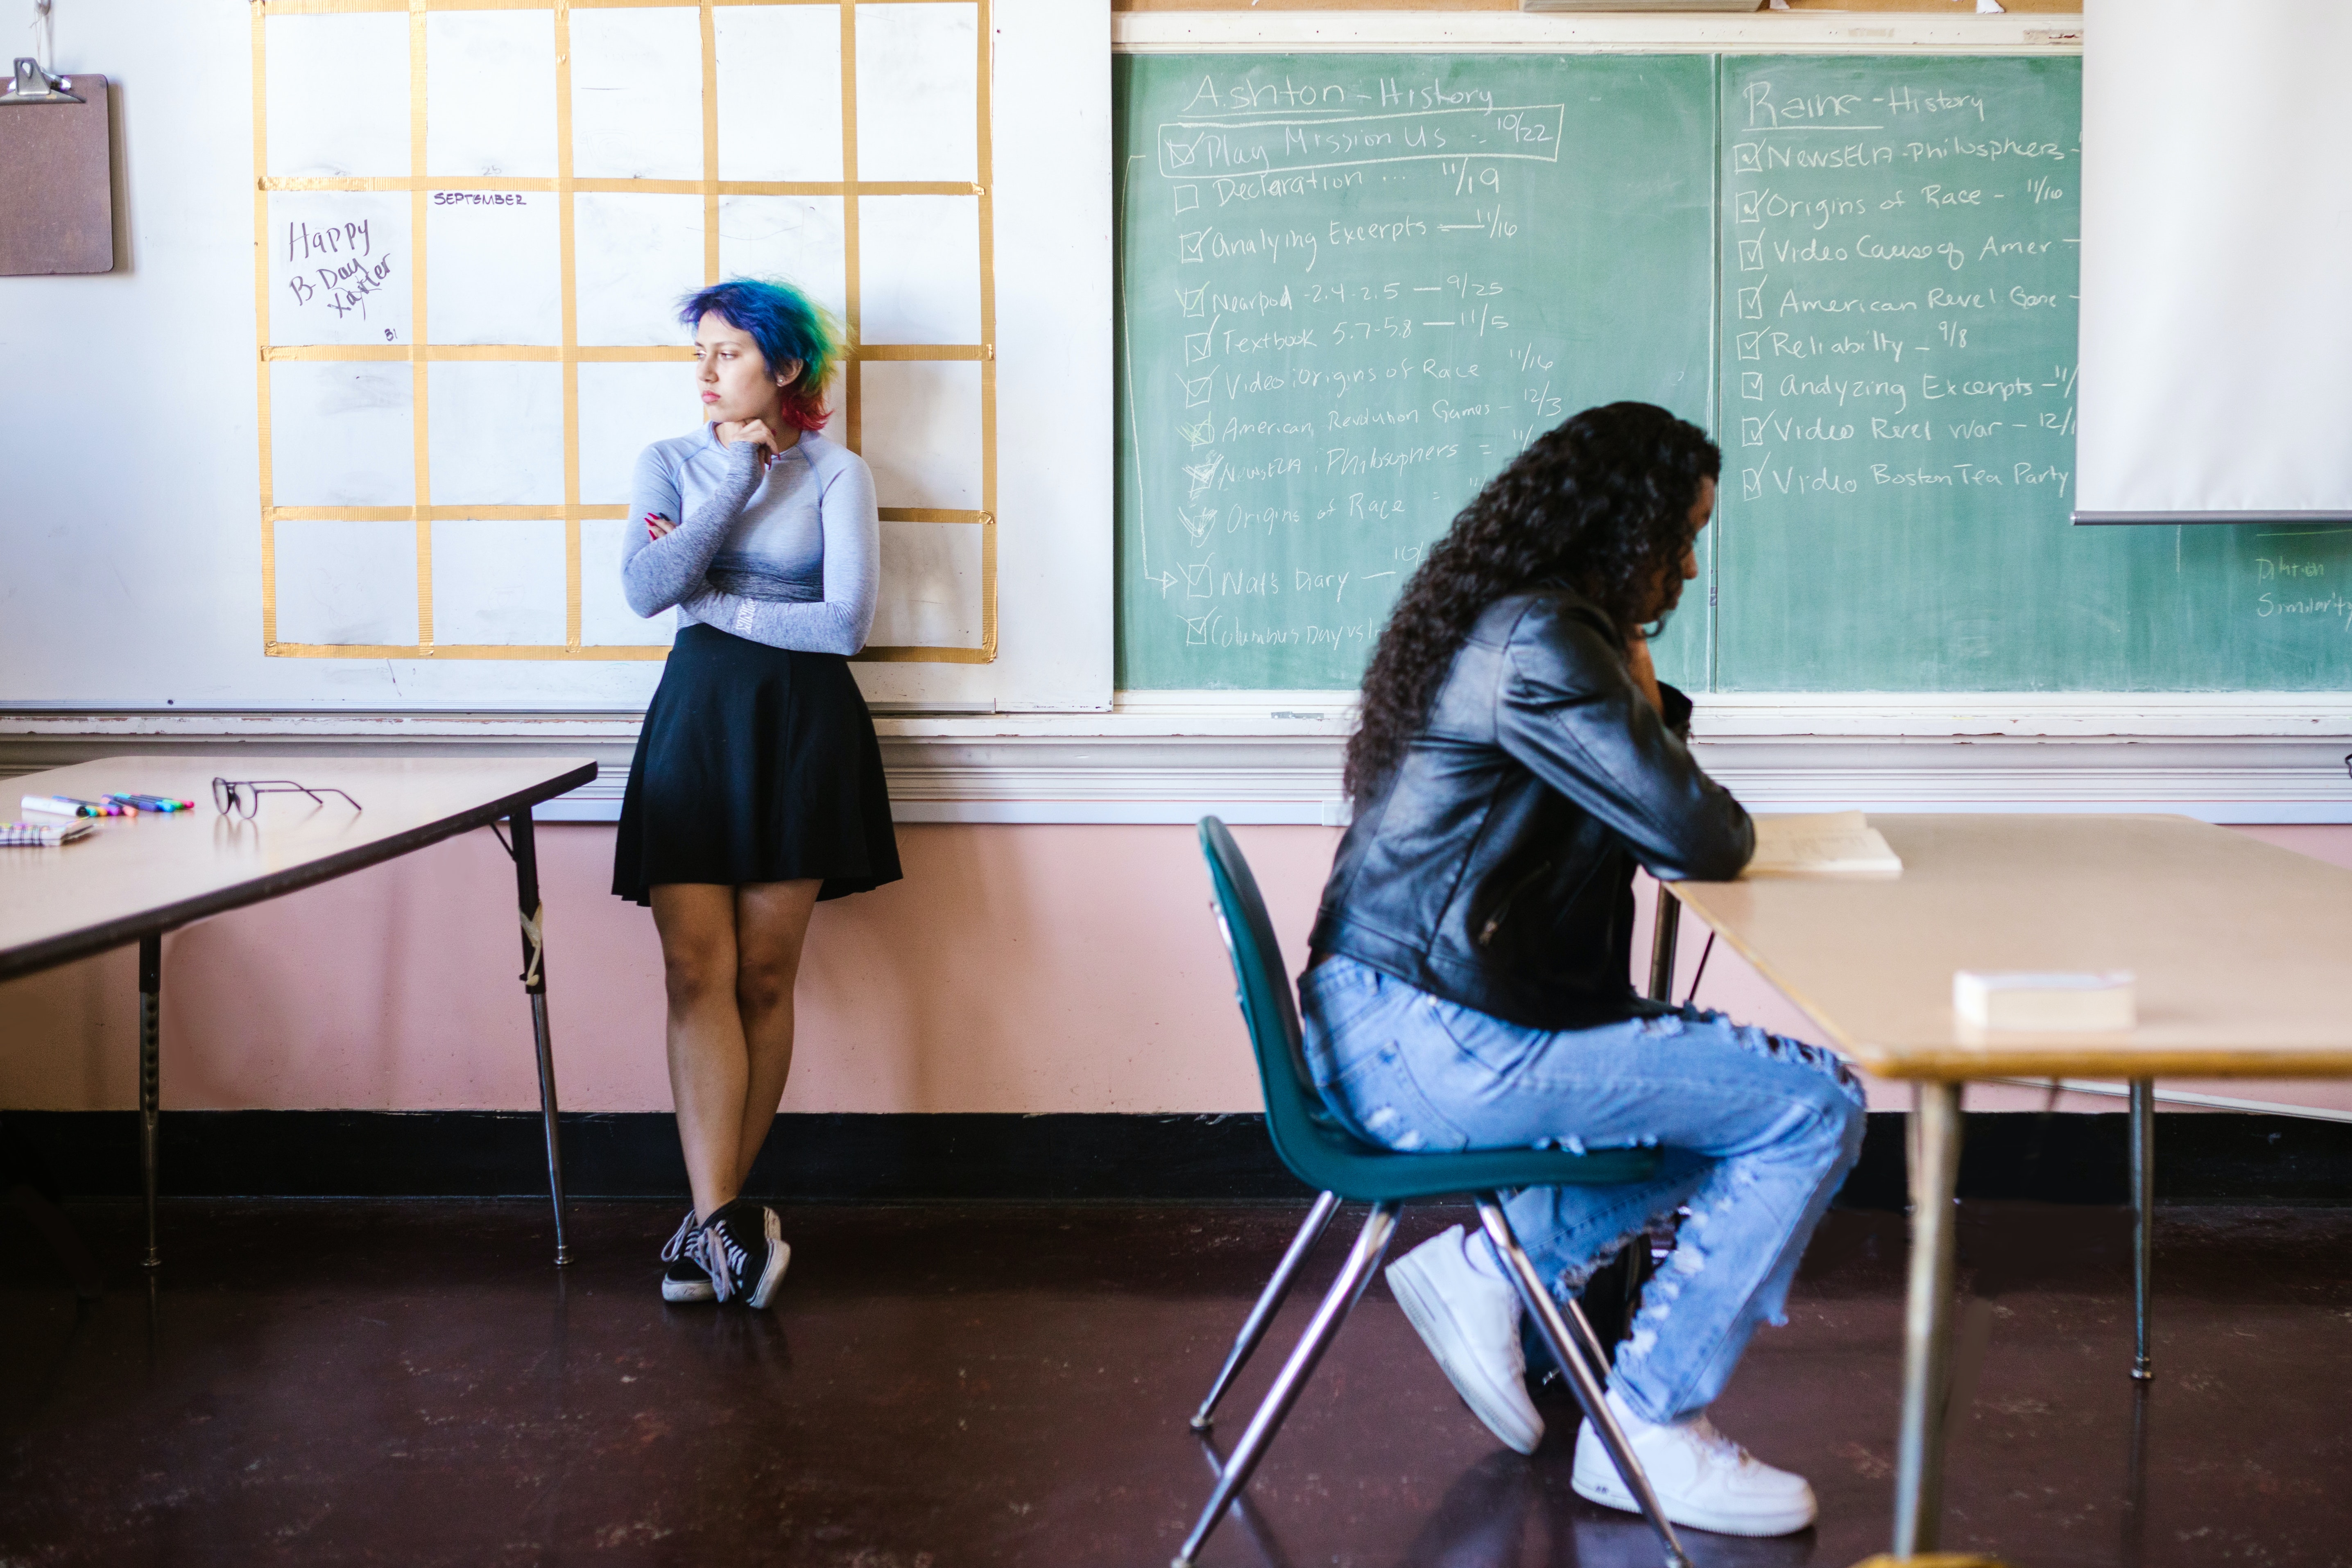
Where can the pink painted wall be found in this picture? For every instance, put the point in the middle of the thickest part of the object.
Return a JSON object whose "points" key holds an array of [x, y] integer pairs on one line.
{"points": [[1016, 969]]}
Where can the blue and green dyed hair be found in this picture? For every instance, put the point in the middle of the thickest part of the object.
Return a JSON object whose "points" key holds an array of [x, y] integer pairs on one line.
{"points": [[787, 325]]}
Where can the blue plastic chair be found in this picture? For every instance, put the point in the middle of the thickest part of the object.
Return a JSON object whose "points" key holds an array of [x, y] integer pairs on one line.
{"points": [[1342, 1167]]}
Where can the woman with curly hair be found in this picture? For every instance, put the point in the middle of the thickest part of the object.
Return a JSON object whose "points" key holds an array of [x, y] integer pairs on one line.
{"points": [[1470, 983], [757, 787]]}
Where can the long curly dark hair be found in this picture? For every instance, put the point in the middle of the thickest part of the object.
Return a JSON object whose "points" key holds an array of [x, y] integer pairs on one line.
{"points": [[1602, 504]]}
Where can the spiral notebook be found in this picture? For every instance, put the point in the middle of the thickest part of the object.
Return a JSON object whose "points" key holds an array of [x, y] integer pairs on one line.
{"points": [[42, 834]]}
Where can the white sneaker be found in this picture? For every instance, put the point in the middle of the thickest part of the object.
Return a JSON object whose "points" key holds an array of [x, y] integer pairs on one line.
{"points": [[1470, 1322], [1702, 1478]]}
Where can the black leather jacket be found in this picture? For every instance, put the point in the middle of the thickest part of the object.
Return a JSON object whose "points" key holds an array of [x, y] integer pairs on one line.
{"points": [[1495, 866]]}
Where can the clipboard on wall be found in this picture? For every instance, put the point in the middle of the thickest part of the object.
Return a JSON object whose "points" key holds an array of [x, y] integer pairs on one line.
{"points": [[56, 175]]}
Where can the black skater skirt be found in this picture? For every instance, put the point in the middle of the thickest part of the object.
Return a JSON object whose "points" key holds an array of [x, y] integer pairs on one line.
{"points": [[756, 764]]}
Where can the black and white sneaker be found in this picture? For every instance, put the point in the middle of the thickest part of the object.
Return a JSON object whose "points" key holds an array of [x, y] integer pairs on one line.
{"points": [[743, 1248], [686, 1278]]}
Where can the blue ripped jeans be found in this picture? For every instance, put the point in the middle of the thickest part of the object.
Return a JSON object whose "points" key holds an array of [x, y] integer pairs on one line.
{"points": [[1756, 1133]]}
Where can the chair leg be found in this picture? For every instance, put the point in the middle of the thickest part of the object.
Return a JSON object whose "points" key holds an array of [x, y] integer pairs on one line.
{"points": [[1371, 1245], [1269, 1301], [1253, 1523], [1582, 1374]]}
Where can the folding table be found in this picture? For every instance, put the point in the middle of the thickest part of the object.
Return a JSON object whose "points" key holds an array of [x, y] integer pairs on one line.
{"points": [[136, 877], [2240, 952]]}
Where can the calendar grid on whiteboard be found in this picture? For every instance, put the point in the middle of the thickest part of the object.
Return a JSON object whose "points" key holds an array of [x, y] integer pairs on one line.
{"points": [[297, 392]]}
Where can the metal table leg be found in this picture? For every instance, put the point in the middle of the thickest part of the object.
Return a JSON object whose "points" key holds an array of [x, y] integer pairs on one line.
{"points": [[2135, 1514], [534, 984], [2143, 1171], [1927, 1347], [150, 1052]]}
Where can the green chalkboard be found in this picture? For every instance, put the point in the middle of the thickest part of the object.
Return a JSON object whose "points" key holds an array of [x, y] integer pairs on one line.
{"points": [[1859, 272], [1897, 362], [1351, 287]]}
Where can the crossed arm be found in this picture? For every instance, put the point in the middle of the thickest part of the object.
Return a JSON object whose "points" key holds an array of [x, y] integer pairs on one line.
{"points": [[669, 566]]}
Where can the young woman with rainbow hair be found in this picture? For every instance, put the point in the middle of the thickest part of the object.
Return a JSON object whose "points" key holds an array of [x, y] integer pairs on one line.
{"points": [[757, 787]]}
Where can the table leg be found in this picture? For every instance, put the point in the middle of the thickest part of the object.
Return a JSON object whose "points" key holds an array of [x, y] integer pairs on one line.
{"points": [[151, 1073], [534, 984], [1927, 1339], [1664, 929], [2135, 1516], [2143, 1170]]}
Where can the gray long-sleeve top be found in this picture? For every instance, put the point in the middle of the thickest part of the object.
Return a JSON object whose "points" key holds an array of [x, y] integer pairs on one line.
{"points": [[788, 556]]}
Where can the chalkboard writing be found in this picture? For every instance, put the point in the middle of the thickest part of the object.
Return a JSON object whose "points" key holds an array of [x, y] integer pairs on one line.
{"points": [[1859, 272], [1351, 290], [1898, 363]]}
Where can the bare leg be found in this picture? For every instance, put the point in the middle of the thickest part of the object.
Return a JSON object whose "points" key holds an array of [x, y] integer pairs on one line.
{"points": [[772, 920], [710, 1065]]}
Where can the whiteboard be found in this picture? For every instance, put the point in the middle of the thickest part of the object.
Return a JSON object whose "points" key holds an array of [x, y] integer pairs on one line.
{"points": [[407, 377], [2215, 321]]}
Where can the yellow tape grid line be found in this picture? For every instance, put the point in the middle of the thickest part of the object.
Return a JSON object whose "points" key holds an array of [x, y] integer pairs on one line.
{"points": [[565, 253], [541, 185], [852, 382], [709, 145], [261, 253], [614, 653], [420, 374], [569, 353], [985, 352], [523, 512], [550, 353], [984, 144], [337, 7]]}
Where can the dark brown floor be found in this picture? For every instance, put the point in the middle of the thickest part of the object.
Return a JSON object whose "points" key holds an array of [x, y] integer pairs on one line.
{"points": [[317, 1383]]}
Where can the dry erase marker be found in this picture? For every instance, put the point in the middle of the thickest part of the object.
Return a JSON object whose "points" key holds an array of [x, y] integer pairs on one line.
{"points": [[150, 802], [67, 805]]}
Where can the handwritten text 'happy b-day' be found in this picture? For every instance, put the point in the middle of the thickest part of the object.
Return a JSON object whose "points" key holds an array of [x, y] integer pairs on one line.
{"points": [[340, 266]]}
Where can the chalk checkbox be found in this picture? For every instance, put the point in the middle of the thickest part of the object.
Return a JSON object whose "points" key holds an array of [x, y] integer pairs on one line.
{"points": [[1180, 156], [1188, 246], [1743, 206], [1196, 392], [1196, 347], [1751, 256], [1187, 197], [1751, 483], [1747, 158], [1751, 345], [1752, 432], [1196, 629], [1751, 303], [1751, 385], [1191, 299]]}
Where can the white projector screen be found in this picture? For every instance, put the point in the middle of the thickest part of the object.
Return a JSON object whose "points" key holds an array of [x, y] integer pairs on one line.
{"points": [[2217, 262]]}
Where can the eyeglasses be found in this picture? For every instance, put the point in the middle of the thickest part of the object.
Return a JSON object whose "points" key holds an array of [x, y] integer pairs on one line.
{"points": [[242, 797]]}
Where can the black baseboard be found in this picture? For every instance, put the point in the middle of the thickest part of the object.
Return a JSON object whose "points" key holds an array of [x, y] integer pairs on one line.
{"points": [[2060, 1158]]}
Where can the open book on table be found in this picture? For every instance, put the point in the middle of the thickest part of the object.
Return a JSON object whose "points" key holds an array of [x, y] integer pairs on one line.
{"points": [[1821, 844]]}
